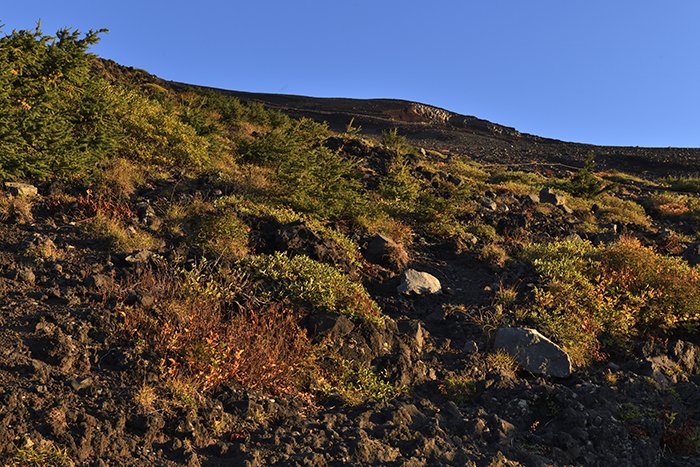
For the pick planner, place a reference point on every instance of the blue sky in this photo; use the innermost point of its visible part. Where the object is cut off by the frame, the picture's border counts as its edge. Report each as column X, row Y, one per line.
column 617, row 72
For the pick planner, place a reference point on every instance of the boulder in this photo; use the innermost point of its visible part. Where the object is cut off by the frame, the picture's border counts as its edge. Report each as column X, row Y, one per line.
column 547, row 195
column 418, row 283
column 297, row 238
column 326, row 324
column 386, row 252
column 533, row 351
column 687, row 355
column 21, row 189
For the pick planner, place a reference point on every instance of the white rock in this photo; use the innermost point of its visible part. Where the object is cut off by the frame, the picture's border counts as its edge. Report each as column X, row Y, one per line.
column 533, row 351
column 418, row 283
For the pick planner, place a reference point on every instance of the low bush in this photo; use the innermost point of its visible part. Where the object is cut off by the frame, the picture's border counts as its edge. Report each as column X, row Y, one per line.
column 208, row 330
column 223, row 234
column 687, row 184
column 352, row 382
column 619, row 290
column 674, row 205
column 319, row 285
column 121, row 237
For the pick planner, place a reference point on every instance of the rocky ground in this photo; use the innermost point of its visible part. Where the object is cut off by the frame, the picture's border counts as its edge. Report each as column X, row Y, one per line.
column 67, row 374
column 78, row 388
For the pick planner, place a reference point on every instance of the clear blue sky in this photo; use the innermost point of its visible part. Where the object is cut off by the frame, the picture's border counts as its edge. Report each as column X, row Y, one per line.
column 618, row 72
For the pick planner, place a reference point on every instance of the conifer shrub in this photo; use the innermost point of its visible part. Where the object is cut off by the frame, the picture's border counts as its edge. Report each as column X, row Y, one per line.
column 394, row 142
column 59, row 119
column 51, row 107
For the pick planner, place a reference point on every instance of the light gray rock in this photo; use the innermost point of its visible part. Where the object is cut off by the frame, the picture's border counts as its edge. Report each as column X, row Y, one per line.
column 21, row 189
column 547, row 195
column 418, row 283
column 533, row 198
column 533, row 351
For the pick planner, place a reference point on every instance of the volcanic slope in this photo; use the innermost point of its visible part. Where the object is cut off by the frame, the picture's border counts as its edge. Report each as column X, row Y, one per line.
column 192, row 276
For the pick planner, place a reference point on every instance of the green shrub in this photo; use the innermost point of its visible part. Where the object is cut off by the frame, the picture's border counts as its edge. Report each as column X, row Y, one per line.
column 319, row 285
column 322, row 171
column 153, row 135
column 354, row 383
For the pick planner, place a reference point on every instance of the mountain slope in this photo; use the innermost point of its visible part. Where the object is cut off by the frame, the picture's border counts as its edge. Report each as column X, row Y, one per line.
column 189, row 277
column 440, row 129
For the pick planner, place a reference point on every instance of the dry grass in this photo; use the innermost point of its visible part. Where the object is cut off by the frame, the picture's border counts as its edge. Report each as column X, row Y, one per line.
column 18, row 209
column 388, row 226
column 121, row 238
column 494, row 255
column 146, row 398
column 502, row 363
column 119, row 178
column 459, row 388
column 43, row 456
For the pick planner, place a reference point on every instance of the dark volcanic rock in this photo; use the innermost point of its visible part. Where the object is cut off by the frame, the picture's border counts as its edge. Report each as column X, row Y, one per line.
column 386, row 252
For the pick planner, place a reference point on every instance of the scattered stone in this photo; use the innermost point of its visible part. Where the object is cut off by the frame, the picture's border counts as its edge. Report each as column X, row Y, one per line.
column 139, row 258
column 418, row 283
column 81, row 383
column 566, row 209
column 547, row 195
column 489, row 204
column 415, row 331
column 147, row 215
column 533, row 198
column 40, row 246
column 26, row 275
column 455, row 180
column 21, row 189
column 533, row 351
column 471, row 347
